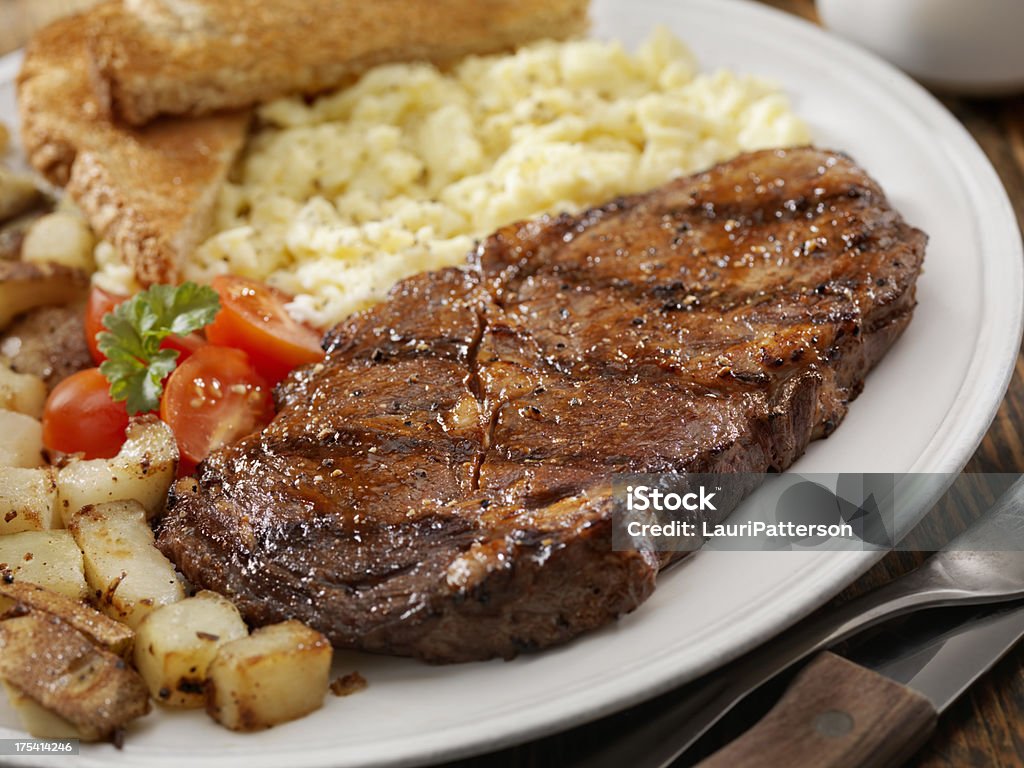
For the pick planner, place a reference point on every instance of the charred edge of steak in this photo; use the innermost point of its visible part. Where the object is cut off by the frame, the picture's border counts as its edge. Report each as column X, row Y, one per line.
column 438, row 486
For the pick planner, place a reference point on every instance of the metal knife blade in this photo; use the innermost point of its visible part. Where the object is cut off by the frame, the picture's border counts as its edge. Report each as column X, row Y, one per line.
column 881, row 705
column 942, row 654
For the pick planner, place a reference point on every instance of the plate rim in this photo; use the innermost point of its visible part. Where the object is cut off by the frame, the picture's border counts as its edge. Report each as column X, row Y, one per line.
column 996, row 225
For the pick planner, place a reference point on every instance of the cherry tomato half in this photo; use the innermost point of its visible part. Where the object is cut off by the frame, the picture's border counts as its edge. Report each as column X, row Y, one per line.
column 214, row 398
column 186, row 345
column 253, row 318
column 101, row 302
column 80, row 417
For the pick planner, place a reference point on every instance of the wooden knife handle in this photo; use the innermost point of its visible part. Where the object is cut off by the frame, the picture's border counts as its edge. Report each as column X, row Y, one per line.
column 835, row 714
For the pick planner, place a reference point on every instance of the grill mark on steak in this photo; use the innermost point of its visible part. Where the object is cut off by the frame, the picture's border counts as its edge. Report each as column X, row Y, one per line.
column 476, row 389
column 440, row 485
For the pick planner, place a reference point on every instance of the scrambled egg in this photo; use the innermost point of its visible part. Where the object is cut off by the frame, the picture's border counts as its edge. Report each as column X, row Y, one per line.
column 338, row 199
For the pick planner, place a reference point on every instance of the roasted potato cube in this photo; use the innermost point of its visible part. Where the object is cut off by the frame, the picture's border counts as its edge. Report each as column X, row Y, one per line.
column 25, row 286
column 61, row 237
column 127, row 574
column 28, row 499
column 12, row 234
column 18, row 193
column 177, row 642
column 22, row 443
column 22, row 392
column 143, row 471
column 50, row 559
column 37, row 719
column 54, row 664
column 276, row 674
column 101, row 630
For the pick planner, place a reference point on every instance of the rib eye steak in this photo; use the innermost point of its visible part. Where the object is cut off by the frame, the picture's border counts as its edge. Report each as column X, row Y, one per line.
column 439, row 486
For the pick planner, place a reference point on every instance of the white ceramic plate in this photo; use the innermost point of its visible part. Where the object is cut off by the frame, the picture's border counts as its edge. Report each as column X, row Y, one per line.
column 925, row 408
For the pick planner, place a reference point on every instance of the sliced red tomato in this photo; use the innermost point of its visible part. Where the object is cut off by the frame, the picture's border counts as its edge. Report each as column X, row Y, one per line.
column 80, row 417
column 186, row 345
column 214, row 398
column 253, row 318
column 101, row 302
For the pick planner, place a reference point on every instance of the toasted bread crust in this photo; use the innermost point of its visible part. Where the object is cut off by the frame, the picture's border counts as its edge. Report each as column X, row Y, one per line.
column 154, row 198
column 157, row 57
column 55, row 100
column 149, row 191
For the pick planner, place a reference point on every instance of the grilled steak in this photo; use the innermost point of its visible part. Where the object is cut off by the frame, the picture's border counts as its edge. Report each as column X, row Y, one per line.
column 440, row 486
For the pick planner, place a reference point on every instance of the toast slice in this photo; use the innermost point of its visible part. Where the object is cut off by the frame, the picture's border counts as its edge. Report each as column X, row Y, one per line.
column 151, row 191
column 158, row 57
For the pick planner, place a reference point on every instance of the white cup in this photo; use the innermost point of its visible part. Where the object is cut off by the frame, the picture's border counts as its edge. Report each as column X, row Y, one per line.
column 969, row 46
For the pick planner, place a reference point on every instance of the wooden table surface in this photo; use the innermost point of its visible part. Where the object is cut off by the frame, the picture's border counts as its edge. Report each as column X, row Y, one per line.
column 986, row 727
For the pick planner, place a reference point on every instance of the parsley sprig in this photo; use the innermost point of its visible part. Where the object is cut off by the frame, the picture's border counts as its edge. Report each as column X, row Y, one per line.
column 136, row 366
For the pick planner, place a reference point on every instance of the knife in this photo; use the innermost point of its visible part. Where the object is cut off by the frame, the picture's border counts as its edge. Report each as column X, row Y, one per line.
column 879, row 706
column 983, row 565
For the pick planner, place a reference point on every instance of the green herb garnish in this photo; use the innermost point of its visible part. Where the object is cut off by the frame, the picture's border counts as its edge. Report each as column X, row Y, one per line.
column 136, row 366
